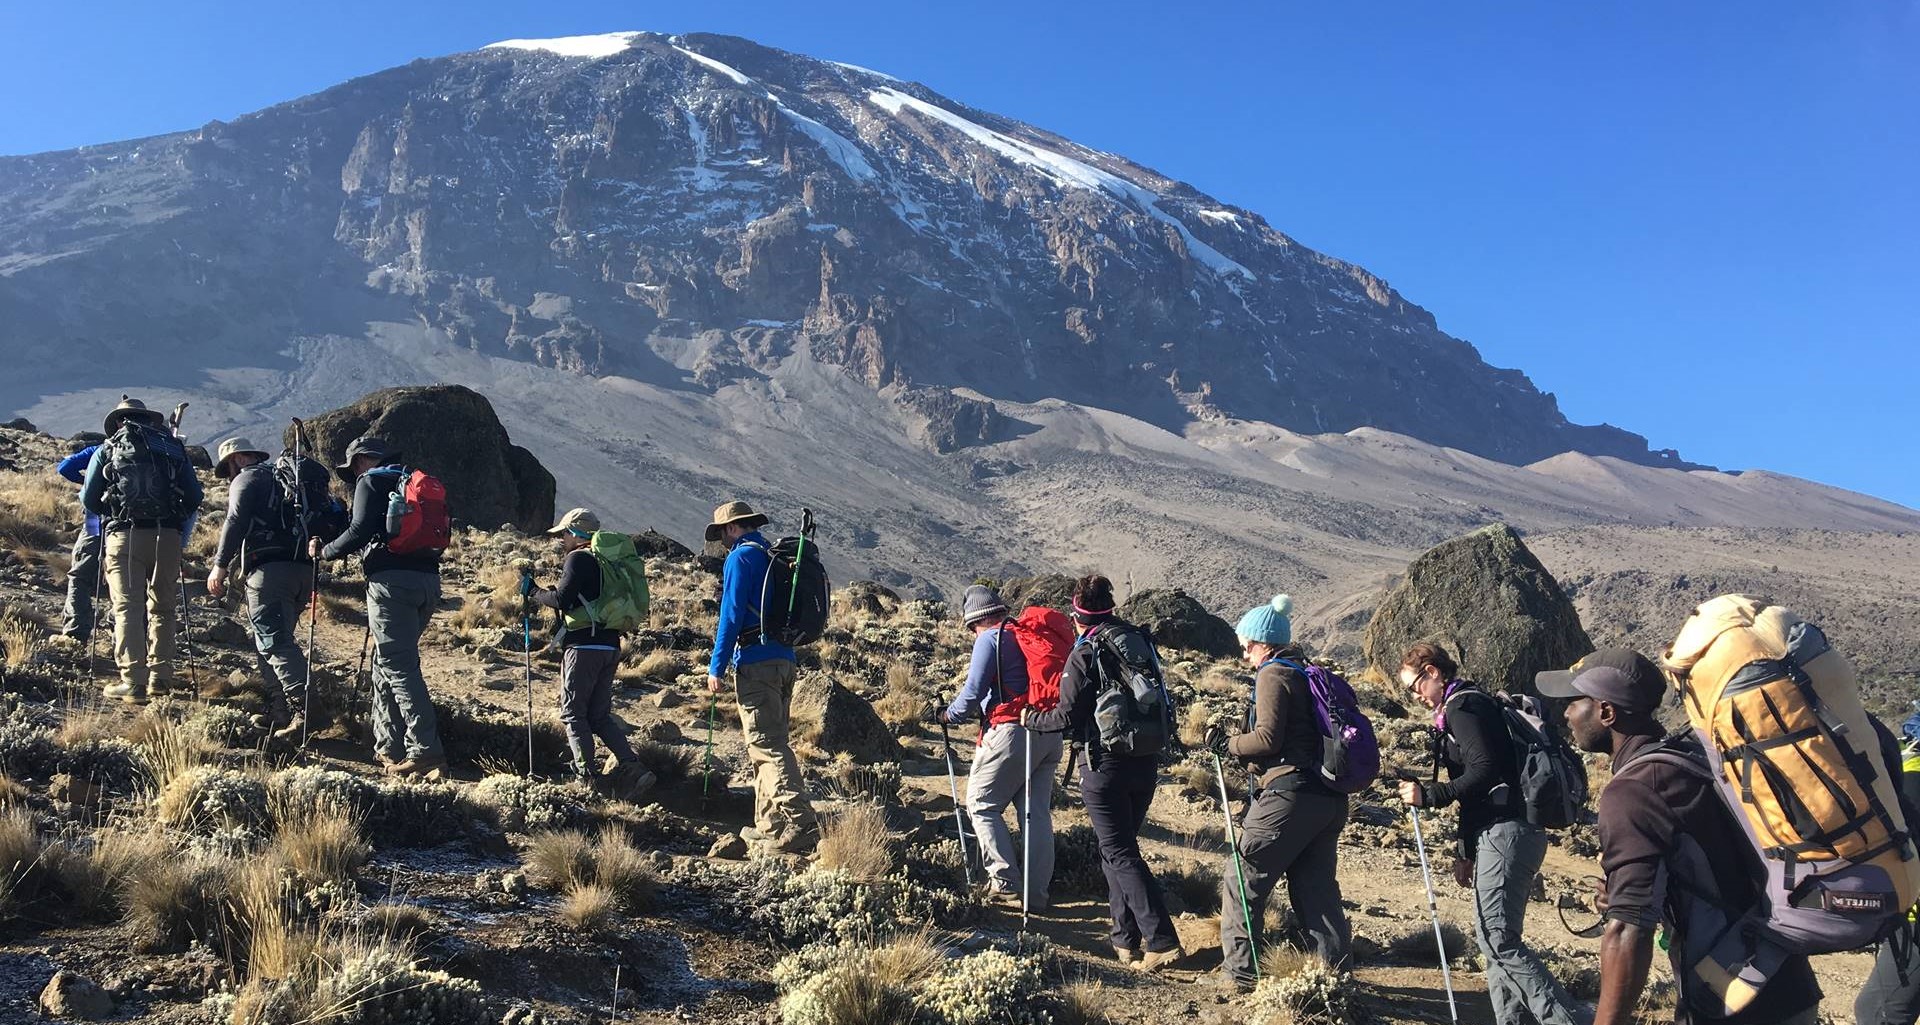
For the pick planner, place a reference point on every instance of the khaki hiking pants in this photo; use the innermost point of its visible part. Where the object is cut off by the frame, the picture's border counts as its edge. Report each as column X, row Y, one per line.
column 143, row 578
column 765, row 690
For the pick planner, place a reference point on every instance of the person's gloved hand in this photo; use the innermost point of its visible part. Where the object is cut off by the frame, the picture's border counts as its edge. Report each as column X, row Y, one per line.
column 1217, row 739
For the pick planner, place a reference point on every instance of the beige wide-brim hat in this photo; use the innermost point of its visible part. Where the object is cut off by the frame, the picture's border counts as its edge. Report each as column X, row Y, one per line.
column 577, row 519
column 235, row 447
column 734, row 512
column 131, row 408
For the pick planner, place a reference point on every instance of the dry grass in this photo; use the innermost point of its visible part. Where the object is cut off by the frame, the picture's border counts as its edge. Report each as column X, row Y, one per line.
column 176, row 900
column 170, row 750
column 35, row 511
column 620, row 867
column 1196, row 885
column 1193, row 727
column 321, row 843
column 1083, row 1003
column 95, row 878
column 81, row 727
column 589, row 907
column 1284, row 961
column 20, row 639
column 277, row 945
column 856, row 841
column 661, row 667
column 20, row 858
column 670, row 763
column 559, row 858
column 908, row 959
column 12, row 794
column 905, row 703
column 403, row 922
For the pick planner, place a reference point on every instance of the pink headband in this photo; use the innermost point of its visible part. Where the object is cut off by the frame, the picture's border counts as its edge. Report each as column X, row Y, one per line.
column 1091, row 612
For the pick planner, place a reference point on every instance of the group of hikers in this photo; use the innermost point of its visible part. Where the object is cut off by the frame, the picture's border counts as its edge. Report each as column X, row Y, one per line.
column 1811, row 852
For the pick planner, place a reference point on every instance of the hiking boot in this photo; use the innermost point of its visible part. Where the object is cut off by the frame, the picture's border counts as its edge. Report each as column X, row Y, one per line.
column 1154, row 960
column 1127, row 955
column 754, row 834
column 797, row 839
column 124, row 692
column 1004, row 898
column 1226, row 982
column 291, row 730
column 386, row 760
column 425, row 766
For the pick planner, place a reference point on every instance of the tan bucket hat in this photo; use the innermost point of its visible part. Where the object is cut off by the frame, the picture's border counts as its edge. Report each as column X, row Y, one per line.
column 234, row 447
column 131, row 408
column 577, row 519
column 734, row 512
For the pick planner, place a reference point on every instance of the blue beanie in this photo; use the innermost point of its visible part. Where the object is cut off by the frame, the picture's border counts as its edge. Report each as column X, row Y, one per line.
column 1271, row 623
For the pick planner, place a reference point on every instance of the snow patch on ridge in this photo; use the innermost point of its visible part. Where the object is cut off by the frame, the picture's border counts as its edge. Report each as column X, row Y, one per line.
column 1062, row 169
column 842, row 152
column 593, row 47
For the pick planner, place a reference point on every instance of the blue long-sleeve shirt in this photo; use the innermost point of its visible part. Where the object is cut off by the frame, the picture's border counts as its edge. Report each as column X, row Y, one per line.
column 740, row 583
column 95, row 488
column 995, row 674
column 74, row 468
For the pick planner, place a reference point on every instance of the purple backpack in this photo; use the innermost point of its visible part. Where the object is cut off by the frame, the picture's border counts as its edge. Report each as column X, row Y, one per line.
column 1350, row 754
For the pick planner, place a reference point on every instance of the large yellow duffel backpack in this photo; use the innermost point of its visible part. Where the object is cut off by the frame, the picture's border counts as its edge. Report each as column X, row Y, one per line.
column 1800, row 764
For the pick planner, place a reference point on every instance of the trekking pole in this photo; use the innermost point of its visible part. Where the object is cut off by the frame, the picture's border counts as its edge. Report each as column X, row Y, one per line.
column 953, row 788
column 313, row 588
column 706, row 767
column 526, row 645
column 1026, row 831
column 186, row 631
column 1239, row 873
column 99, row 579
column 1433, row 909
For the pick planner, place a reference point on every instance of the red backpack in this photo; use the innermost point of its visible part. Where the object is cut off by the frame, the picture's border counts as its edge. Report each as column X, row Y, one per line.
column 1045, row 637
column 423, row 523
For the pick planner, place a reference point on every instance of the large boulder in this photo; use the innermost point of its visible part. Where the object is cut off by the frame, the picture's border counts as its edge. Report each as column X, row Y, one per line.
column 452, row 433
column 1488, row 600
column 1178, row 620
column 1052, row 590
column 842, row 722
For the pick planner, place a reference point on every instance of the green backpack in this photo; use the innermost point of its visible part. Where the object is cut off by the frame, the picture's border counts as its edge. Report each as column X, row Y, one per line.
column 623, row 600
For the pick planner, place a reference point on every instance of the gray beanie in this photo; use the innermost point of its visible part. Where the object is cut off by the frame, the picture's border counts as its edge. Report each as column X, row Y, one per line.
column 981, row 602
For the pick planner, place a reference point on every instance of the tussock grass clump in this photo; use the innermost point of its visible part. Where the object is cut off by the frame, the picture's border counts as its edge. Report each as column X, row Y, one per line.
column 81, row 727
column 21, row 850
column 177, row 900
column 20, row 639
column 12, row 794
column 357, row 979
column 559, row 858
column 621, row 867
column 1082, row 1003
column 660, row 667
column 35, row 510
column 589, row 907
column 207, row 796
column 857, row 984
column 905, row 702
column 405, row 923
column 856, row 841
column 93, row 874
column 169, row 749
column 669, row 763
column 1196, row 885
column 320, row 842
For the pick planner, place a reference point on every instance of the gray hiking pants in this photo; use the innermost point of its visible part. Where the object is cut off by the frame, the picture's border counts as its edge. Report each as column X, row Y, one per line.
column 277, row 593
column 998, row 778
column 586, row 706
column 1292, row 832
column 83, row 585
column 1505, row 863
column 399, row 603
column 1892, row 993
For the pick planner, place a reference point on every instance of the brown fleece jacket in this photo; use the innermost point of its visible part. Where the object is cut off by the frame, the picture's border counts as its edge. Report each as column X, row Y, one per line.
column 1283, row 736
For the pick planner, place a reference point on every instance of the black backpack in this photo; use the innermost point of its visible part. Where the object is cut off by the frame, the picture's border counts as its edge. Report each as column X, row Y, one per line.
column 1132, row 714
column 1553, row 778
column 795, row 594
column 147, row 473
column 299, row 506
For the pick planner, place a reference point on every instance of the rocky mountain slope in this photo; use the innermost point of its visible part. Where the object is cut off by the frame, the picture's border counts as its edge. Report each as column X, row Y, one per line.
column 692, row 268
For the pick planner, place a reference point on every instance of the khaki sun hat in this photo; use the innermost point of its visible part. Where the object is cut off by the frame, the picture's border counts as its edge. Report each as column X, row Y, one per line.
column 577, row 519
column 235, row 447
column 734, row 512
column 133, row 409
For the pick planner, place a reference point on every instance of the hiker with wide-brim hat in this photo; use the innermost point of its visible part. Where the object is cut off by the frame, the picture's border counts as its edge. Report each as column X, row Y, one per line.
column 764, row 673
column 142, row 486
column 403, row 589
column 1291, row 829
column 259, row 543
column 590, row 650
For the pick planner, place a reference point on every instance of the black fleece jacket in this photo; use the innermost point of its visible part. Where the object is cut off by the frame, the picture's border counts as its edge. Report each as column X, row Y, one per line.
column 1080, row 684
column 579, row 584
column 368, row 528
column 1482, row 775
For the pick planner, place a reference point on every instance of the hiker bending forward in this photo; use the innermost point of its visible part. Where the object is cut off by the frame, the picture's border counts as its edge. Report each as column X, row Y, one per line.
column 1116, row 788
column 1293, row 819
column 402, row 592
column 591, row 650
column 764, row 674
column 1012, row 765
column 1500, row 851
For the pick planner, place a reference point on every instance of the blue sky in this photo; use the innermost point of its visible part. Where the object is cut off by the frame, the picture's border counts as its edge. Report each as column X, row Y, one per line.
column 1700, row 222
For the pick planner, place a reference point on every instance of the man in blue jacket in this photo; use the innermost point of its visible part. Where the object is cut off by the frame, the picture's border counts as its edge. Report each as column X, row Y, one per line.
column 146, row 494
column 763, row 682
column 83, row 573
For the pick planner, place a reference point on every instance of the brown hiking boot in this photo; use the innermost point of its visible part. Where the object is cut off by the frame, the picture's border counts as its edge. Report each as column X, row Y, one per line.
column 290, row 731
column 124, row 692
column 1127, row 955
column 423, row 767
column 1154, row 960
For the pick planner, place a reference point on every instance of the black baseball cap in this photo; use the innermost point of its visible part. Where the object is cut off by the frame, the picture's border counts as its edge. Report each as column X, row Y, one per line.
column 1622, row 677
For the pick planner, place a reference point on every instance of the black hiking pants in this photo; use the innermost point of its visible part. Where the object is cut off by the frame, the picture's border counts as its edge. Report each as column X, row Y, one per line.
column 1117, row 795
column 1892, row 993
